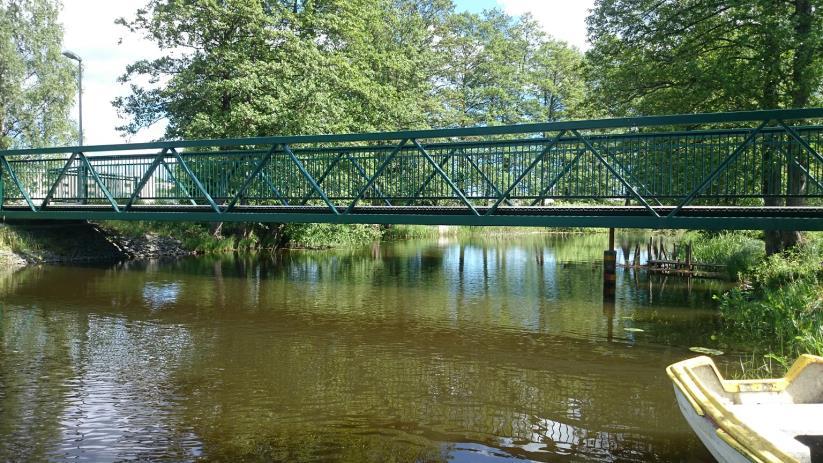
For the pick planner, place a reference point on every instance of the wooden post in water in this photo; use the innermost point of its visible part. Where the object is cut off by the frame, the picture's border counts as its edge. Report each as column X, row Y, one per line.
column 609, row 268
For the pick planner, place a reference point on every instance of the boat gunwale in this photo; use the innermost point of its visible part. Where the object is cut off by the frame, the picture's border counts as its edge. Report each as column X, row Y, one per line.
column 706, row 400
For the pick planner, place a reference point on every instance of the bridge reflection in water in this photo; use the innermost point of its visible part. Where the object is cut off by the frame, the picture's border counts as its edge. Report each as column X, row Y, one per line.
column 409, row 351
column 745, row 170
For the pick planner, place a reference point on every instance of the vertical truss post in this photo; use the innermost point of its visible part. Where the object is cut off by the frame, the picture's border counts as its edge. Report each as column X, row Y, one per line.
column 196, row 181
column 723, row 165
column 614, row 172
column 82, row 183
column 525, row 172
column 448, row 180
column 99, row 182
column 260, row 165
column 310, row 179
column 377, row 173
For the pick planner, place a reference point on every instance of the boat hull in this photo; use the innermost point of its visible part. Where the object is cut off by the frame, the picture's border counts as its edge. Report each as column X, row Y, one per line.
column 706, row 431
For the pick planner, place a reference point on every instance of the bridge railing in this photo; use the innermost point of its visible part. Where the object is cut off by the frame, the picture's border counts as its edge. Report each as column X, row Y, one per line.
column 664, row 164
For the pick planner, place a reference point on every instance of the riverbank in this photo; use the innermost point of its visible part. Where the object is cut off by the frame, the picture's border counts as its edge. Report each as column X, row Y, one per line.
column 778, row 307
column 23, row 244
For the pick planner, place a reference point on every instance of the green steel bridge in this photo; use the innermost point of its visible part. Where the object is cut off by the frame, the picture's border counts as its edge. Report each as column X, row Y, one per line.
column 743, row 170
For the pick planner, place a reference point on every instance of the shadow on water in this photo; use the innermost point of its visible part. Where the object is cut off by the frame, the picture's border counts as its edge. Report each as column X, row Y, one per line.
column 459, row 350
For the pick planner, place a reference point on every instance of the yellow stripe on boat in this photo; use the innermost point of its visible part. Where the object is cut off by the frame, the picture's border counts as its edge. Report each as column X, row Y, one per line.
column 721, row 401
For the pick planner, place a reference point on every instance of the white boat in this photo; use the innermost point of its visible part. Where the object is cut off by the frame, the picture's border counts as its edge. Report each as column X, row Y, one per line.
column 769, row 420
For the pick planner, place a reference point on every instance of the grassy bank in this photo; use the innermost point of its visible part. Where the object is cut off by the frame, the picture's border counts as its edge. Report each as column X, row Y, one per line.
column 204, row 239
column 739, row 251
column 778, row 307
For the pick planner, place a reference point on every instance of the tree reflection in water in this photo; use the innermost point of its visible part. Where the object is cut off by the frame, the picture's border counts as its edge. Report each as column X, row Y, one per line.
column 413, row 351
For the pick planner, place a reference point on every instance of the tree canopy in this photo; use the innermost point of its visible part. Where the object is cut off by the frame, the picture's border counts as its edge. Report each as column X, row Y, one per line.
column 241, row 67
column 37, row 86
column 682, row 56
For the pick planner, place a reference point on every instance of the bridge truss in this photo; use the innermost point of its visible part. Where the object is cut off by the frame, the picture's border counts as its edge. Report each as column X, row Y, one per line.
column 744, row 170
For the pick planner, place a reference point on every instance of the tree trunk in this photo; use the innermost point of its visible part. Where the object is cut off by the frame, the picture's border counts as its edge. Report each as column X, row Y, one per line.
column 771, row 176
column 801, row 91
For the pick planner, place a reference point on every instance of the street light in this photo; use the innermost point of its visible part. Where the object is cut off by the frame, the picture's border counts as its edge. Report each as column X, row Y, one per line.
column 72, row 55
column 82, row 188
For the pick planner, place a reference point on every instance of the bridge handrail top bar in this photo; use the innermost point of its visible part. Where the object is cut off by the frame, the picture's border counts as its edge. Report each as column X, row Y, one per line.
column 463, row 144
column 591, row 124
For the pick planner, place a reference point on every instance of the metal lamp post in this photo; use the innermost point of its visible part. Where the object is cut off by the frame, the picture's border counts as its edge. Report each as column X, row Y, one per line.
column 81, row 171
column 79, row 60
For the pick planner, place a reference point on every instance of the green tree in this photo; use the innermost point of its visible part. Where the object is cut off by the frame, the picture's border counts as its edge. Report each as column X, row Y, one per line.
column 498, row 69
column 556, row 87
column 251, row 67
column 679, row 56
column 37, row 85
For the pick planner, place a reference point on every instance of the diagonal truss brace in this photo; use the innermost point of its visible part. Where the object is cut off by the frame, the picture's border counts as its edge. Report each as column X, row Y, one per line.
column 178, row 183
column 793, row 133
column 792, row 160
column 196, row 181
column 274, row 189
column 723, row 165
column 363, row 174
column 628, row 174
column 99, row 182
column 376, row 174
column 448, row 180
column 250, row 178
column 558, row 177
column 526, row 171
column 486, row 178
column 615, row 172
column 310, row 179
column 322, row 177
column 60, row 177
column 145, row 178
column 13, row 175
column 431, row 176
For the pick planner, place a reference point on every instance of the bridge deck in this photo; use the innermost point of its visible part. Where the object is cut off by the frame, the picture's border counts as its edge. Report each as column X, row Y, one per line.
column 692, row 217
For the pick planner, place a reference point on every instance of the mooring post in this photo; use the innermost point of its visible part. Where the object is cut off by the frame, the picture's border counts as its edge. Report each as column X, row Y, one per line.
column 609, row 268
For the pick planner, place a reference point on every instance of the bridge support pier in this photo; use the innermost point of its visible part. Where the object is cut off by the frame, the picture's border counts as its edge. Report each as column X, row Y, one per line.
column 609, row 268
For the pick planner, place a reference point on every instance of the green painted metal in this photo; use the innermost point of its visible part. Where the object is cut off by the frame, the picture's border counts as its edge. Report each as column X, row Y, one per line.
column 525, row 172
column 690, row 197
column 362, row 172
column 310, row 179
column 495, row 175
column 143, row 180
column 614, row 172
column 99, row 182
column 13, row 175
column 377, row 173
column 445, row 177
column 259, row 167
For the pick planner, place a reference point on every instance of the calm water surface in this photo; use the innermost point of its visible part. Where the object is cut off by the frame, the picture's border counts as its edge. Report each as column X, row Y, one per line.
column 439, row 350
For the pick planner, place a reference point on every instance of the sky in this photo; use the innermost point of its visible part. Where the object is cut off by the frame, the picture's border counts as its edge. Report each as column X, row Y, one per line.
column 106, row 50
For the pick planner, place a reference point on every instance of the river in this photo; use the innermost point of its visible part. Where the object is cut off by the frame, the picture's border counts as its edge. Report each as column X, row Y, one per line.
column 453, row 349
